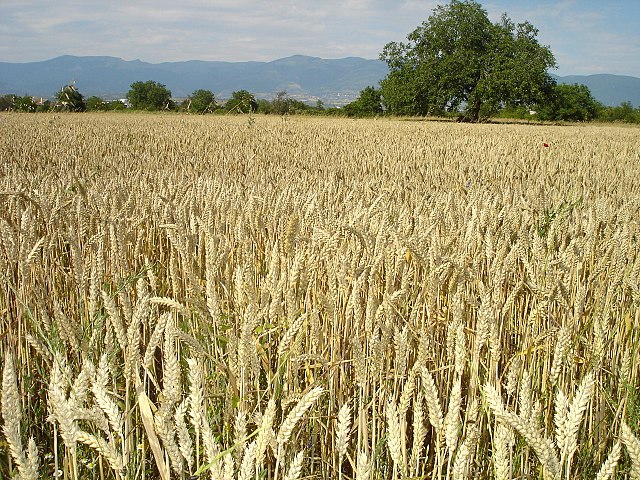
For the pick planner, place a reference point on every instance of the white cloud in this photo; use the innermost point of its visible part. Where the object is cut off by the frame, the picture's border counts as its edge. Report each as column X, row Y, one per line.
column 580, row 33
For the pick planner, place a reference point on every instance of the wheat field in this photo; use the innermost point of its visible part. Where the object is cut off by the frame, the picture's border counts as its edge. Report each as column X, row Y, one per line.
column 294, row 298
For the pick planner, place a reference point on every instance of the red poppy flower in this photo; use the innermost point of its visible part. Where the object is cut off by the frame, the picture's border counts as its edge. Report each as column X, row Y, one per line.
column 545, row 144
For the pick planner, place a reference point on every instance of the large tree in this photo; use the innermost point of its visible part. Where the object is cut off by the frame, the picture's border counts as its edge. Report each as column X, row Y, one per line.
column 149, row 95
column 458, row 60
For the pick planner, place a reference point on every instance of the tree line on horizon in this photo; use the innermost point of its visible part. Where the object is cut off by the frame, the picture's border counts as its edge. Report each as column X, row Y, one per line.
column 456, row 64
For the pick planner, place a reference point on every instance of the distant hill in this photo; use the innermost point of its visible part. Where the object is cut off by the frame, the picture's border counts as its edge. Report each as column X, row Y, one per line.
column 334, row 82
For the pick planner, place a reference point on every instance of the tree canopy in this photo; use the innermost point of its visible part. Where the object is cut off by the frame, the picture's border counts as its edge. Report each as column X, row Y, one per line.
column 202, row 101
column 149, row 95
column 570, row 102
column 367, row 104
column 242, row 101
column 458, row 60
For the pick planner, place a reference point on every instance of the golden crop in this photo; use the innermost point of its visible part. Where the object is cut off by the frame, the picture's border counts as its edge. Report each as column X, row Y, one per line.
column 289, row 298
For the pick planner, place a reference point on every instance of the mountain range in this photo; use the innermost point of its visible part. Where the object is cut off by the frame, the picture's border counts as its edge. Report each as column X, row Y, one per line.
column 335, row 81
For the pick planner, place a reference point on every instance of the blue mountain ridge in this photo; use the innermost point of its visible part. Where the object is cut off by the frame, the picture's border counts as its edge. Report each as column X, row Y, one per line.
column 334, row 81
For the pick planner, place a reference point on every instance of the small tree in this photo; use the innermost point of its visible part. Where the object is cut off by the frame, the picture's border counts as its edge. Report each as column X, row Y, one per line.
column 280, row 103
column 622, row 113
column 6, row 102
column 242, row 102
column 264, row 106
column 570, row 103
column 95, row 103
column 202, row 101
column 116, row 105
column 70, row 99
column 24, row 104
column 150, row 95
column 368, row 103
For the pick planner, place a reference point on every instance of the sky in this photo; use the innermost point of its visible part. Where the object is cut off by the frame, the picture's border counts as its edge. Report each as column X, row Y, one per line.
column 586, row 36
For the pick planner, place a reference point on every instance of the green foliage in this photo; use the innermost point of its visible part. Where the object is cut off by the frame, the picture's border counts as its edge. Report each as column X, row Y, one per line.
column 24, row 104
column 548, row 216
column 570, row 103
column 95, row 103
column 264, row 106
column 45, row 106
column 622, row 113
column 241, row 101
column 458, row 60
column 150, row 95
column 202, row 101
column 117, row 105
column 70, row 99
column 404, row 93
column 297, row 106
column 368, row 103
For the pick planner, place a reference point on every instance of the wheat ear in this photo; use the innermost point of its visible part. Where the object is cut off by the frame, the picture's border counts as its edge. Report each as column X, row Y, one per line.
column 105, row 449
column 568, row 438
column 419, row 433
column 104, row 401
column 452, row 419
column 363, row 467
column 11, row 414
column 562, row 346
column 609, row 465
column 343, row 430
column 633, row 449
column 154, row 340
column 248, row 461
column 542, row 446
column 265, row 433
column 184, row 439
column 295, row 468
column 393, row 435
column 501, row 451
column 286, row 429
column 432, row 400
column 290, row 334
